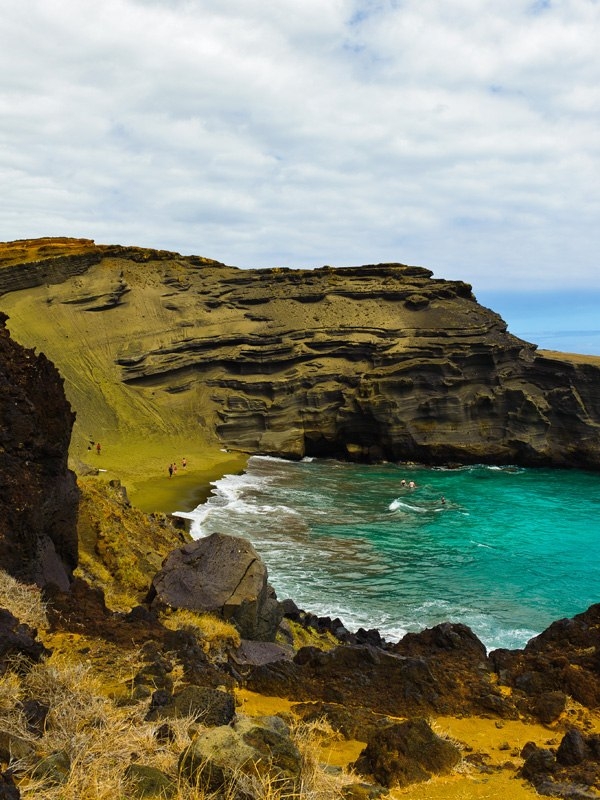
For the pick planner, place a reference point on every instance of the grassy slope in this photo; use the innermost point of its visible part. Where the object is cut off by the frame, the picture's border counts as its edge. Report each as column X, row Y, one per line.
column 141, row 430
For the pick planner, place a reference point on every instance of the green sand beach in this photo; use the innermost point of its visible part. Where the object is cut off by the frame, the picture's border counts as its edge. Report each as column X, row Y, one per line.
column 143, row 471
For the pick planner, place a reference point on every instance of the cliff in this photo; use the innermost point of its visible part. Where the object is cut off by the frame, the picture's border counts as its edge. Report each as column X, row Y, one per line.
column 373, row 362
column 38, row 494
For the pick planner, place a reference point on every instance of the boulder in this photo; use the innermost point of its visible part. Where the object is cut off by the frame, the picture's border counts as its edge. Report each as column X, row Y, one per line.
column 406, row 752
column 38, row 493
column 223, row 575
column 211, row 707
column 149, row 782
column 573, row 771
column 244, row 758
column 561, row 661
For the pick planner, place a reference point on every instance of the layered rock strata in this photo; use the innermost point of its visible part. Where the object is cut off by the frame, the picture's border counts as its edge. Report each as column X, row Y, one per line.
column 374, row 362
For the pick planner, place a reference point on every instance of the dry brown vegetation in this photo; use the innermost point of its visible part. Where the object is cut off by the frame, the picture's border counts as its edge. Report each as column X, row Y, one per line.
column 92, row 733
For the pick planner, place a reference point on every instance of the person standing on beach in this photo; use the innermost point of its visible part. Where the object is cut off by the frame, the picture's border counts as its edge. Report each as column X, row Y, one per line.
column 184, row 462
column 98, row 448
column 170, row 470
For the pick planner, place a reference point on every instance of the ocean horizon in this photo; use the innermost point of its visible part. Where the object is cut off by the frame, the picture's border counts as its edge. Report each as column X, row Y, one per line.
column 567, row 321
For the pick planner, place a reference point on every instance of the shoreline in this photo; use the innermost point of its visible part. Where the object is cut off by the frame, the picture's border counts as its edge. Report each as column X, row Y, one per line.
column 151, row 490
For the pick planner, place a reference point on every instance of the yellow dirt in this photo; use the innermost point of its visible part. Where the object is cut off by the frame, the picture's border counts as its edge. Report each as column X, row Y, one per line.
column 498, row 742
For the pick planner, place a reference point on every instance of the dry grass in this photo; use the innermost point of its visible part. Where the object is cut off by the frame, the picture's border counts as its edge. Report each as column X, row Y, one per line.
column 215, row 636
column 22, row 600
column 99, row 739
column 309, row 637
column 318, row 782
column 96, row 736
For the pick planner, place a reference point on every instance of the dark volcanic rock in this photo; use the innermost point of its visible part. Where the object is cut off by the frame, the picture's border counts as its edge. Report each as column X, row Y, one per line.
column 563, row 660
column 573, row 771
column 406, row 752
column 442, row 670
column 386, row 682
column 209, row 706
column 17, row 640
column 8, row 789
column 38, row 493
column 353, row 722
column 224, row 575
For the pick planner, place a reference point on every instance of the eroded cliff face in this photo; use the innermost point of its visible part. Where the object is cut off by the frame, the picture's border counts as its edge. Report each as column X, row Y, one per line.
column 374, row 362
column 38, row 494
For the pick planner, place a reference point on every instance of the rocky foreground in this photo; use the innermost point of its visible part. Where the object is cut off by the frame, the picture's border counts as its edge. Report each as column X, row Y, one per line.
column 128, row 596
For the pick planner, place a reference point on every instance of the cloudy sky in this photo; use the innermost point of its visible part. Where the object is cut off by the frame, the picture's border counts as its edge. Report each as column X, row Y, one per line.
column 461, row 135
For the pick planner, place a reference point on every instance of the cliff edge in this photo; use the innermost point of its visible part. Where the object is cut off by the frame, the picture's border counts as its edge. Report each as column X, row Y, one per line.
column 38, row 494
column 372, row 362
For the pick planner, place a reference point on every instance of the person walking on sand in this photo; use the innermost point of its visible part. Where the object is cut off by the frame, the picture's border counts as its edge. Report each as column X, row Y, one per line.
column 170, row 470
column 184, row 462
column 98, row 448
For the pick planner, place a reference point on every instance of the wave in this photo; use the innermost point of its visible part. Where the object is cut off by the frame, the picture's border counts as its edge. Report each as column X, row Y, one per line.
column 345, row 540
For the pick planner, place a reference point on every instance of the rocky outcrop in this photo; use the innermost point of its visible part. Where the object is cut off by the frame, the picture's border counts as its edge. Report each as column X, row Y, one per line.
column 17, row 641
column 374, row 362
column 564, row 660
column 570, row 771
column 38, row 494
column 454, row 681
column 223, row 575
column 408, row 752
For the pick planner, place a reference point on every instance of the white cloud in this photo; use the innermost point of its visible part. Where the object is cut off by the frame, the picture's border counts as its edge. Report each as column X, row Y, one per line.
column 462, row 135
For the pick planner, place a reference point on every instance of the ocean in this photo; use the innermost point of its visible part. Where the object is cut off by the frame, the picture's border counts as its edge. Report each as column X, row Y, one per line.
column 505, row 550
column 567, row 321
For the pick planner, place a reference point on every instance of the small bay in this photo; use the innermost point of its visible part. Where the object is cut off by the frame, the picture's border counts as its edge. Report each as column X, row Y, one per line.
column 505, row 550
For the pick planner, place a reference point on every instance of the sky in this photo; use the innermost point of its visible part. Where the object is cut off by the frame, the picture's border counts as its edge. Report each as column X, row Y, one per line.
column 463, row 135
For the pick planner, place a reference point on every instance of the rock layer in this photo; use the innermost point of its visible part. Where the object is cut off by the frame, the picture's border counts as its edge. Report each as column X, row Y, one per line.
column 374, row 362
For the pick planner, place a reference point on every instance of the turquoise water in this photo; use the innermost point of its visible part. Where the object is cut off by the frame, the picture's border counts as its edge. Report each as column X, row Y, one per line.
column 510, row 550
